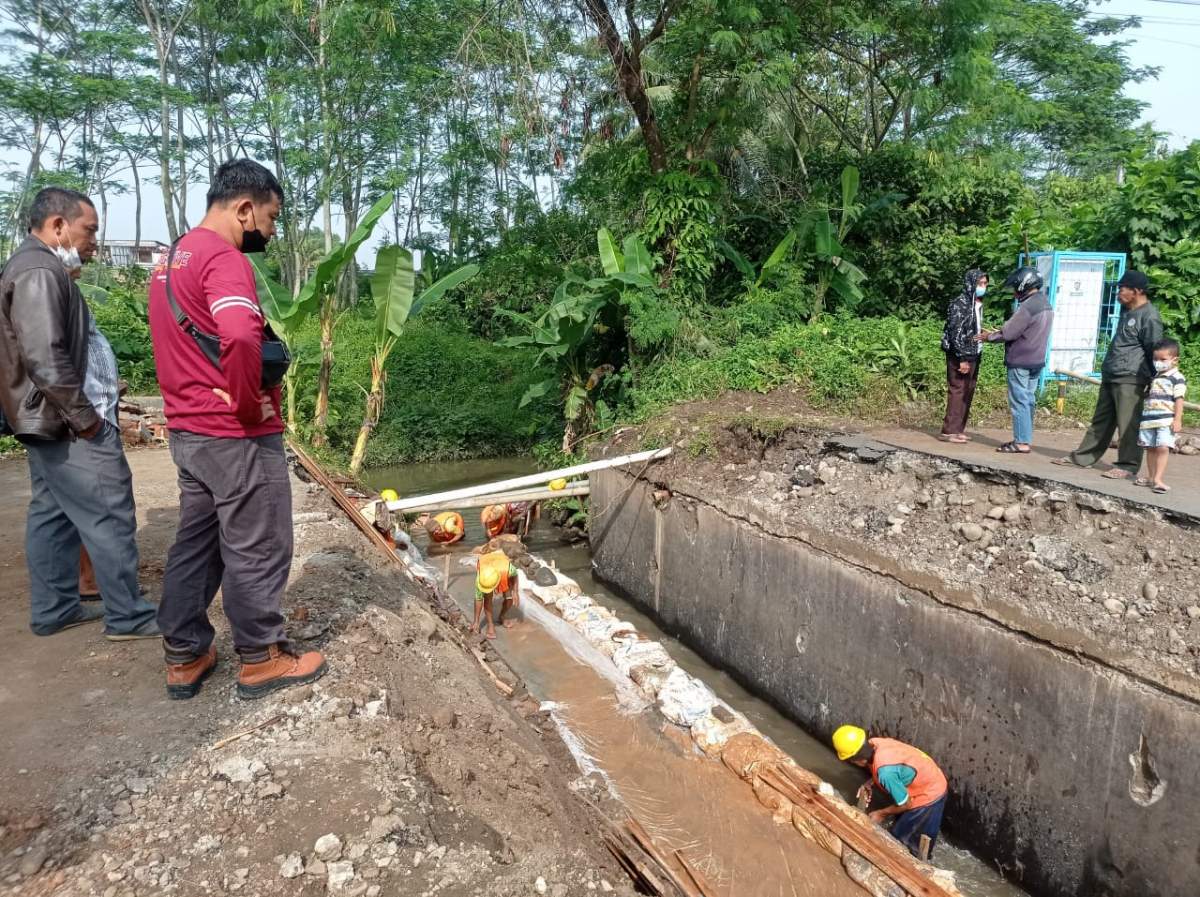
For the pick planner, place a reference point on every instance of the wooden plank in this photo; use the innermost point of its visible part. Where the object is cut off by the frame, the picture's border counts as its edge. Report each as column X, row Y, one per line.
column 863, row 840
column 535, row 479
column 698, row 879
column 501, row 498
column 647, row 844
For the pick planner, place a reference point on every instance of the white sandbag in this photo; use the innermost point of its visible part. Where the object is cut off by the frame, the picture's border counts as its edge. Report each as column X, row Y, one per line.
column 651, row 679
column 641, row 653
column 683, row 700
column 601, row 633
column 711, row 733
column 551, row 594
column 573, row 608
column 589, row 616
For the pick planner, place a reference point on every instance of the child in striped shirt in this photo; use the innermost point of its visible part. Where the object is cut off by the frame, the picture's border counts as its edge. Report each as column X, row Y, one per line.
column 1162, row 414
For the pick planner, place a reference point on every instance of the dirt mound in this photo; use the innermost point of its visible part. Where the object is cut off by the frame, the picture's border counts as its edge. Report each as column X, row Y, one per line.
column 402, row 771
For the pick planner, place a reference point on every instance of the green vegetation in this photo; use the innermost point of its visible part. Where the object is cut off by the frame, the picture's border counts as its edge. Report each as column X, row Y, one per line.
column 798, row 188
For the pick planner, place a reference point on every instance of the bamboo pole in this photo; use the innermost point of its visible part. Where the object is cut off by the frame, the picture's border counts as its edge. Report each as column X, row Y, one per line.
column 1083, row 378
column 535, row 479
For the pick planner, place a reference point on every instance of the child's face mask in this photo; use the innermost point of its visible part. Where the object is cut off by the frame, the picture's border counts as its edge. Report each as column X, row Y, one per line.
column 1162, row 366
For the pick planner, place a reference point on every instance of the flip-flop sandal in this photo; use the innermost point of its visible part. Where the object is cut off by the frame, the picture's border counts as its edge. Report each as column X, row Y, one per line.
column 1064, row 461
column 1142, row 481
column 1162, row 490
column 954, row 438
column 1116, row 474
column 1010, row 448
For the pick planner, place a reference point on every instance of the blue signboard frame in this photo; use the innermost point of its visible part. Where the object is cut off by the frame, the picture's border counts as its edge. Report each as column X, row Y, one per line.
column 1110, row 310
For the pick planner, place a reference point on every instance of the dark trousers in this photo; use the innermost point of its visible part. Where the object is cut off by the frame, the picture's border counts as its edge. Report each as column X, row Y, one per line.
column 235, row 534
column 1119, row 408
column 82, row 493
column 909, row 827
column 960, row 392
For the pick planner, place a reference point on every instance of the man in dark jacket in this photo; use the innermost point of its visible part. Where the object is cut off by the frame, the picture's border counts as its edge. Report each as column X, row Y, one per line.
column 1124, row 378
column 964, row 322
column 1026, row 336
column 58, row 388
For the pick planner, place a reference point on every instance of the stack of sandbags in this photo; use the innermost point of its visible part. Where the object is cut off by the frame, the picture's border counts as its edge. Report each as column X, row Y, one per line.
column 683, row 699
column 712, row 731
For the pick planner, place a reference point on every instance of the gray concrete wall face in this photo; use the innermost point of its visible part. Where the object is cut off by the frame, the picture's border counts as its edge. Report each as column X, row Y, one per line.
column 1076, row 779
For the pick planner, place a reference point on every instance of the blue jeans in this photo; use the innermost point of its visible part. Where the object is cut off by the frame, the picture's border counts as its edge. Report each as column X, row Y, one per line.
column 909, row 827
column 82, row 491
column 1022, row 396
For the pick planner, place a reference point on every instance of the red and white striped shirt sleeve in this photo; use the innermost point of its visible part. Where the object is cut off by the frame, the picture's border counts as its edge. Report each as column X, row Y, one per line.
column 230, row 292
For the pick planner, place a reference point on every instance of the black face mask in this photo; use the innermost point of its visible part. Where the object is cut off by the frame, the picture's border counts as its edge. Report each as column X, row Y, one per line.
column 253, row 241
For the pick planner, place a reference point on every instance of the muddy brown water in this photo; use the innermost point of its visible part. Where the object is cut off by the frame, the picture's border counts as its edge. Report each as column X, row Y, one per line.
column 687, row 802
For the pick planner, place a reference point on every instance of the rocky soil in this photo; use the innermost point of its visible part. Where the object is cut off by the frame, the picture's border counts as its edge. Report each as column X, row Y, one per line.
column 402, row 772
column 1122, row 574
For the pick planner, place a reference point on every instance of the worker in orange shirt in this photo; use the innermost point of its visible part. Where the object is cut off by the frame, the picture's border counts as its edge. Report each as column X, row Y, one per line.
column 446, row 528
column 496, row 576
column 915, row 784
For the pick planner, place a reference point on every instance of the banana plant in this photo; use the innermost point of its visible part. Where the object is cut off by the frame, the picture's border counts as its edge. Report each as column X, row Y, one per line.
column 392, row 288
column 822, row 240
column 563, row 334
column 319, row 295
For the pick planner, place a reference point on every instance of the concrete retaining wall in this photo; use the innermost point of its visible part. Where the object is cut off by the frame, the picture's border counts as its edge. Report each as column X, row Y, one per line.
column 1077, row 779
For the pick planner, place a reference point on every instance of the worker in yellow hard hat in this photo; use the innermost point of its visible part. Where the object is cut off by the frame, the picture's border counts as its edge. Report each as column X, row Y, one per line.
column 495, row 520
column 558, row 485
column 446, row 528
column 913, row 787
column 496, row 576
column 389, row 495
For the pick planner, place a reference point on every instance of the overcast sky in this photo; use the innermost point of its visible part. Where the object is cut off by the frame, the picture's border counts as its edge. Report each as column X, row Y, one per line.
column 1169, row 38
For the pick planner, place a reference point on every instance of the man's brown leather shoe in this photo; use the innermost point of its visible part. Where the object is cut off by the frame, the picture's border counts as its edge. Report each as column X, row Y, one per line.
column 184, row 679
column 279, row 670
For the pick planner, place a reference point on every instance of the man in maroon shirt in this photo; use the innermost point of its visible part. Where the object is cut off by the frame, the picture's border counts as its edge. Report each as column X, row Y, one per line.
column 226, row 438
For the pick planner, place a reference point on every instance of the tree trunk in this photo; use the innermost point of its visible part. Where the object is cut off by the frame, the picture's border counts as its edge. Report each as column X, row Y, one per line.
column 373, row 413
column 137, row 209
column 628, row 64
column 164, row 154
column 321, row 413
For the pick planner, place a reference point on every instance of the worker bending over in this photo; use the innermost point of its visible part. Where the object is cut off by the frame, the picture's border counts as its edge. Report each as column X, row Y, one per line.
column 515, row 518
column 496, row 576
column 446, row 528
column 909, row 777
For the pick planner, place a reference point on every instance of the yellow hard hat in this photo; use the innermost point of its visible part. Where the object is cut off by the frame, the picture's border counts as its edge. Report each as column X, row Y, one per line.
column 558, row 484
column 848, row 741
column 488, row 579
column 389, row 495
column 451, row 523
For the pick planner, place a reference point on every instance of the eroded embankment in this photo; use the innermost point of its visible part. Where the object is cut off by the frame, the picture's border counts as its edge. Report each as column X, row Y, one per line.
column 1071, row 754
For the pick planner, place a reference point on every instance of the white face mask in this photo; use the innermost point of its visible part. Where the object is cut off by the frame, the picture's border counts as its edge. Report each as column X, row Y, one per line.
column 1163, row 366
column 69, row 256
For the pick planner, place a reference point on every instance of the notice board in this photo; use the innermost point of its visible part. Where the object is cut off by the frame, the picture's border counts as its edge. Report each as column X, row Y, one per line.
column 1078, row 299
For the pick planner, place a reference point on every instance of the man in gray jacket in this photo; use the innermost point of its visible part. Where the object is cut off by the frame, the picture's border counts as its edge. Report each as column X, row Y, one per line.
column 1026, row 336
column 1124, row 378
column 59, row 389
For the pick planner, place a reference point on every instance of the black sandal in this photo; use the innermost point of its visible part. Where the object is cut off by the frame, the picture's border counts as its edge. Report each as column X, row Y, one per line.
column 1010, row 448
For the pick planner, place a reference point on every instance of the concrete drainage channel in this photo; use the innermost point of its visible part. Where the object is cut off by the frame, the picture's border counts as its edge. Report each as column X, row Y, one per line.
column 728, row 771
column 1077, row 777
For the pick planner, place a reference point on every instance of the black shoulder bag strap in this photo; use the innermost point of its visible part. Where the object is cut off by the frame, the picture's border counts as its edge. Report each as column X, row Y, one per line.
column 209, row 344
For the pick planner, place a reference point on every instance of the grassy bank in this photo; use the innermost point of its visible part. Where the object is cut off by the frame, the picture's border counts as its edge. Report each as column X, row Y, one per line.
column 449, row 395
column 873, row 369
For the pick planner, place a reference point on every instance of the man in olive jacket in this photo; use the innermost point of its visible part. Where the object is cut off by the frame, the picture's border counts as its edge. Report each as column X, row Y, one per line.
column 1125, row 376
column 58, row 389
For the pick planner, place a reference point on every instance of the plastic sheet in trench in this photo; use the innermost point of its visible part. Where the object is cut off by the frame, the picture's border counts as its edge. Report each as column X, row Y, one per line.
column 687, row 802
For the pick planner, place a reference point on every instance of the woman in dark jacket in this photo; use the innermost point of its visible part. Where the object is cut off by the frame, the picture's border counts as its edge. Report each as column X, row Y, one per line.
column 964, row 323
